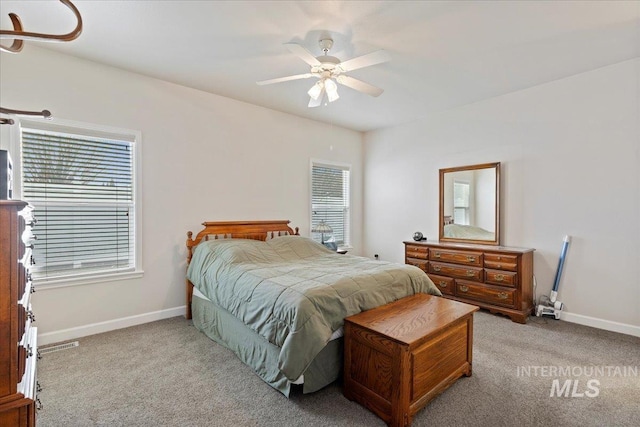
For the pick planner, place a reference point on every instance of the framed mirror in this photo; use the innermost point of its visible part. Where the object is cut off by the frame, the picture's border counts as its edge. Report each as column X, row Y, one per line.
column 470, row 204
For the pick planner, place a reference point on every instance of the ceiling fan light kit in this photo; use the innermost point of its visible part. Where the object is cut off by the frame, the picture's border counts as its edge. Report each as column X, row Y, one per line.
column 316, row 89
column 330, row 71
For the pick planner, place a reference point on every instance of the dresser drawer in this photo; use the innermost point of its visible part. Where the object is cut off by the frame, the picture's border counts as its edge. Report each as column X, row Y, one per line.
column 445, row 284
column 457, row 271
column 419, row 252
column 503, row 278
column 456, row 257
column 421, row 264
column 501, row 262
column 485, row 293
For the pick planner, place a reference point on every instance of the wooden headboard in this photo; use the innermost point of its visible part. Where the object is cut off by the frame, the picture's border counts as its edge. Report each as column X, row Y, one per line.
column 254, row 230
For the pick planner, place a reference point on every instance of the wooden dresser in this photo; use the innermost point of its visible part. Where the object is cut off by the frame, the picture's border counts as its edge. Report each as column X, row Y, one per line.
column 18, row 338
column 497, row 278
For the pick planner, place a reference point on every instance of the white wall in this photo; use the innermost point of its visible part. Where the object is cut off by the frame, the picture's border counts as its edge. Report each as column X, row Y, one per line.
column 485, row 199
column 204, row 158
column 570, row 153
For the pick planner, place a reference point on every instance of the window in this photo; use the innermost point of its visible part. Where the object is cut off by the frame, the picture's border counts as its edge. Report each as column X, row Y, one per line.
column 461, row 202
column 330, row 200
column 81, row 182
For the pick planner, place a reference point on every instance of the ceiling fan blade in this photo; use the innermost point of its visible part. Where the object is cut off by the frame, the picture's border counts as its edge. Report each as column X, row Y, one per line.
column 285, row 79
column 359, row 85
column 372, row 58
column 316, row 102
column 303, row 53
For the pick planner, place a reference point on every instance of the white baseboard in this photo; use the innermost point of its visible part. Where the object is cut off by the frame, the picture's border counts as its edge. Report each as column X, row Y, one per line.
column 607, row 325
column 109, row 325
column 125, row 322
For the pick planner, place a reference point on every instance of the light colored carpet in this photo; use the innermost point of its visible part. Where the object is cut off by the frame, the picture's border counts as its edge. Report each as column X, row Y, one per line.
column 166, row 373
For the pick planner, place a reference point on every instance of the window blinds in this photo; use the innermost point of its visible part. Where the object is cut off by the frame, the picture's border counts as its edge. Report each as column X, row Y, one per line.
column 330, row 200
column 82, row 190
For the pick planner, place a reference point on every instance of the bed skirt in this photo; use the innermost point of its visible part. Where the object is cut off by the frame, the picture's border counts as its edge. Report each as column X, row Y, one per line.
column 259, row 354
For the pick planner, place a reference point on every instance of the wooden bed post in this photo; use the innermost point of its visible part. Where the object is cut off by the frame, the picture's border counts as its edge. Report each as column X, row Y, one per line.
column 189, row 286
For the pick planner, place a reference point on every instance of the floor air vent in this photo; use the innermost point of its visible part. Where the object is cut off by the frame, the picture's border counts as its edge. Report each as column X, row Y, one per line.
column 65, row 346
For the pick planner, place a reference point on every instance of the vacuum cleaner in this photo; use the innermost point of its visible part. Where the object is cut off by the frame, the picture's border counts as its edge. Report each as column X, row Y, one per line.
column 550, row 306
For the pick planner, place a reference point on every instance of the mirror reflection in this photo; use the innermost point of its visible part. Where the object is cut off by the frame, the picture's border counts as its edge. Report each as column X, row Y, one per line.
column 469, row 204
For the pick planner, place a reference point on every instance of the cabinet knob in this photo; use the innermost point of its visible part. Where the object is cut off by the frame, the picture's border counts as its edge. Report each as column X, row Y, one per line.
column 471, row 273
column 502, row 295
column 437, row 255
column 471, row 258
column 499, row 277
column 442, row 283
column 464, row 288
column 436, row 268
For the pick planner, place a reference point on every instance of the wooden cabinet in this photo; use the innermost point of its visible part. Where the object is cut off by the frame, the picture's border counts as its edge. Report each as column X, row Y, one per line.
column 400, row 356
column 18, row 336
column 497, row 278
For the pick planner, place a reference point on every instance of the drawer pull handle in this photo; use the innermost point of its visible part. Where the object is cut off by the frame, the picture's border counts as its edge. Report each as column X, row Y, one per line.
column 471, row 258
column 464, row 288
column 29, row 351
column 436, row 268
column 499, row 265
column 499, row 277
column 437, row 254
column 38, row 387
column 38, row 404
column 502, row 295
column 442, row 283
column 471, row 273
column 39, row 356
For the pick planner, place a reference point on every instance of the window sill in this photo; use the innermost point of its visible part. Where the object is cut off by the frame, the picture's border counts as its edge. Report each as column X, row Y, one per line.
column 63, row 282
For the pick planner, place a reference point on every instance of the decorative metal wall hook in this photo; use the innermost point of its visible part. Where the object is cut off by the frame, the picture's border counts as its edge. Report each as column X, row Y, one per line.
column 19, row 35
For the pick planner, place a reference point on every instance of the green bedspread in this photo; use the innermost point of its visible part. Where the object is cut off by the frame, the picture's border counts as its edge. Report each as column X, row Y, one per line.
column 294, row 292
column 468, row 232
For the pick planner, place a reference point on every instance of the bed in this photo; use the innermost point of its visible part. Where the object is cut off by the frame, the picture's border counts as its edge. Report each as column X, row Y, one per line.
column 278, row 300
column 467, row 232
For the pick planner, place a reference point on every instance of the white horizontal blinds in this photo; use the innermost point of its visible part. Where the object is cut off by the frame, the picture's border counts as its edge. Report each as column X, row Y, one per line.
column 330, row 200
column 82, row 190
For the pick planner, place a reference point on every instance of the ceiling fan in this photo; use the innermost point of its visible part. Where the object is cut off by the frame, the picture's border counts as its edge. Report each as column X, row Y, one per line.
column 329, row 70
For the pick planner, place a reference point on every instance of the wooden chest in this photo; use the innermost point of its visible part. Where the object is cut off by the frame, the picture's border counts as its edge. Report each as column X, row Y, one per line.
column 497, row 278
column 401, row 355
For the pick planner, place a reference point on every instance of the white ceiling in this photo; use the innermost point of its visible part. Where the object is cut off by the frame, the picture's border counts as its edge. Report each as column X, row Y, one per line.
column 444, row 54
